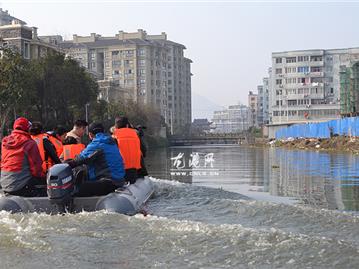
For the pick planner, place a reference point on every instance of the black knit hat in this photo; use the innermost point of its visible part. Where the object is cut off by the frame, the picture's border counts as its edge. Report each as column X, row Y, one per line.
column 96, row 127
column 121, row 122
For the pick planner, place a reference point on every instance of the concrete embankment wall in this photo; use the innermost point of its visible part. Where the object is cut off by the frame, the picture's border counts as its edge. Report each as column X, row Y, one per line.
column 345, row 126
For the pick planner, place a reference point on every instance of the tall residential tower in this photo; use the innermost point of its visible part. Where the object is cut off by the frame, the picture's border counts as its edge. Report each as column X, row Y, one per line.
column 149, row 69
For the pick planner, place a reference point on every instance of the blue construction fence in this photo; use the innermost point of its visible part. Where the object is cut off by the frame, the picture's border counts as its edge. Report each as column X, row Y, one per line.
column 346, row 126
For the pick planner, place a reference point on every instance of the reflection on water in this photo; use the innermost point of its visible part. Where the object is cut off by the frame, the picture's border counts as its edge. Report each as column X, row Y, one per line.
column 323, row 180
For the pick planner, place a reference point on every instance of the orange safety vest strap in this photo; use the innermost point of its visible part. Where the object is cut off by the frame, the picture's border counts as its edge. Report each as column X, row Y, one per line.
column 129, row 145
column 57, row 144
column 71, row 151
column 46, row 161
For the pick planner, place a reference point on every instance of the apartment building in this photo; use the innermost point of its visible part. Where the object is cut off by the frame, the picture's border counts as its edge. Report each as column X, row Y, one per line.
column 149, row 69
column 234, row 119
column 6, row 18
column 264, row 101
column 305, row 85
column 18, row 36
column 253, row 108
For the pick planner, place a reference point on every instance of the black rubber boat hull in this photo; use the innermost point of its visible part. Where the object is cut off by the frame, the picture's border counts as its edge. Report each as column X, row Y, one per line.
column 128, row 201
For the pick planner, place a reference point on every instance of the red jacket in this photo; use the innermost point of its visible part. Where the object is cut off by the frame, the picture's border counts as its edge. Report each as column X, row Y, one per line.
column 20, row 161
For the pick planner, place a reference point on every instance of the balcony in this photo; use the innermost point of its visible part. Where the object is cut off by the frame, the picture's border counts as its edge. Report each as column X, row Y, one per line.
column 316, row 74
column 314, row 63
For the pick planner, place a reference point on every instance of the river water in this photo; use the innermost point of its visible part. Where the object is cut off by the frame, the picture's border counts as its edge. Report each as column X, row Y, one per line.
column 214, row 207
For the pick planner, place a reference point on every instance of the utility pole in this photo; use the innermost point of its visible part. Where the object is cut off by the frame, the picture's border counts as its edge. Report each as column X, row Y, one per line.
column 87, row 116
column 171, row 114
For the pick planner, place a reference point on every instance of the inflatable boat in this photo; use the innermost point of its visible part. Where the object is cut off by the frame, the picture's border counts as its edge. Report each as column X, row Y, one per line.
column 128, row 200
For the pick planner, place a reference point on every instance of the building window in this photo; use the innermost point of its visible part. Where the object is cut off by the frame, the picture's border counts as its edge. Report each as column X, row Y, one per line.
column 316, row 69
column 129, row 82
column 316, row 80
column 290, row 59
column 303, row 69
column 290, row 80
column 26, row 50
column 142, row 63
column 115, row 53
column 316, row 58
column 278, row 81
column 128, row 62
column 289, row 70
column 116, row 63
column 292, row 102
column 303, row 58
column 278, row 71
column 278, row 60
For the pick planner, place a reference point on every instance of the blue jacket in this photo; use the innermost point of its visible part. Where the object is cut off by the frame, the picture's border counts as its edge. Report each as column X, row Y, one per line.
column 108, row 163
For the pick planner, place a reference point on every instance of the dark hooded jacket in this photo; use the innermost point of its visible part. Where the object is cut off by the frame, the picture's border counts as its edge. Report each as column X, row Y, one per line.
column 20, row 161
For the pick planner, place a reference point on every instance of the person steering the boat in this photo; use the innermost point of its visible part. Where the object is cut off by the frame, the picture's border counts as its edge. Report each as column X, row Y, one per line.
column 21, row 162
column 104, row 162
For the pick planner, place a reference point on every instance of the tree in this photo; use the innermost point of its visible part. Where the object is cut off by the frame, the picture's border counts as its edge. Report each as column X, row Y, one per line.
column 58, row 90
column 53, row 89
column 12, row 84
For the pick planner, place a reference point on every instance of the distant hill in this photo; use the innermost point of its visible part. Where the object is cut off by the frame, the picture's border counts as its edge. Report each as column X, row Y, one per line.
column 202, row 107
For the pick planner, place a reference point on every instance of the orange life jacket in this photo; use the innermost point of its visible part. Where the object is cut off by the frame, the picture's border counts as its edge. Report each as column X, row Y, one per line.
column 57, row 144
column 46, row 160
column 71, row 151
column 129, row 145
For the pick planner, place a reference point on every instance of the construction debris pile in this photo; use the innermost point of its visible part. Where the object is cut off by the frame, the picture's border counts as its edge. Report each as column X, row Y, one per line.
column 337, row 143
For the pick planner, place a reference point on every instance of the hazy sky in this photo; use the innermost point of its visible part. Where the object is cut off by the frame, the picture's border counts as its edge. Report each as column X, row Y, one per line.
column 230, row 42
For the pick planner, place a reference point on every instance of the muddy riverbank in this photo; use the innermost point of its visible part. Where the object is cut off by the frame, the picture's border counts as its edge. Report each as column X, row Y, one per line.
column 338, row 143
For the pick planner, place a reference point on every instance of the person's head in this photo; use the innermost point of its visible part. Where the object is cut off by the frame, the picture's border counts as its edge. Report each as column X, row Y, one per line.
column 36, row 128
column 95, row 128
column 141, row 129
column 22, row 124
column 122, row 122
column 70, row 140
column 60, row 133
column 80, row 127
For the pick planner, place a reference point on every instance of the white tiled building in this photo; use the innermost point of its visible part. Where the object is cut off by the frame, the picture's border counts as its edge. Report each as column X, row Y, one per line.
column 305, row 85
column 231, row 120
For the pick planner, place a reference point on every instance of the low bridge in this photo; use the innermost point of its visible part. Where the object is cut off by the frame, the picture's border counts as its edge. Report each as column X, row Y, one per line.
column 222, row 139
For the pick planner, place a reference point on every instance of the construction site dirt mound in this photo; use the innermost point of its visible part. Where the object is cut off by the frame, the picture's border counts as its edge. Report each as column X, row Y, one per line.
column 338, row 143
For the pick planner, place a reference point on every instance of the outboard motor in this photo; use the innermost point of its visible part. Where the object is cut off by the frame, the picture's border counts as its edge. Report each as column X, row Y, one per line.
column 60, row 186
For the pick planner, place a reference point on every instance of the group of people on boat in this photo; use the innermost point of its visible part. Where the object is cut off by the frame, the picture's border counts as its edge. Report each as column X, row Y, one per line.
column 109, row 160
